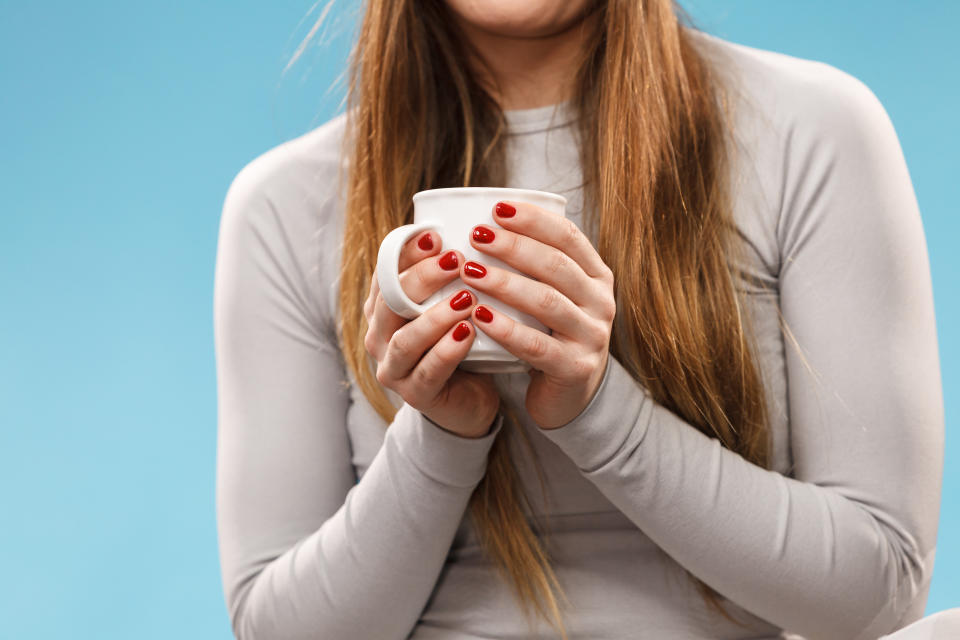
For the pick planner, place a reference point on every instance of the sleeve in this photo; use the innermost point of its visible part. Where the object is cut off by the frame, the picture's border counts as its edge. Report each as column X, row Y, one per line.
column 942, row 625
column 306, row 551
column 844, row 548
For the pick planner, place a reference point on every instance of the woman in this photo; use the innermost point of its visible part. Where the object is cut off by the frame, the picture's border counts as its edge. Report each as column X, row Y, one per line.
column 735, row 429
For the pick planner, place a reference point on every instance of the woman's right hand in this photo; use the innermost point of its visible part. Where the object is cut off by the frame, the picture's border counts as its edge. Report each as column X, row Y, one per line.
column 418, row 358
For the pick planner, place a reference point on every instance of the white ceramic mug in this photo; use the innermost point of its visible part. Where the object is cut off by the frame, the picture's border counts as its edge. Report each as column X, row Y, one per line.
column 453, row 213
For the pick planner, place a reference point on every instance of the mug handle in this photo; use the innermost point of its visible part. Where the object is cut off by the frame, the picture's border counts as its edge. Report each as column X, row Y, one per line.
column 388, row 266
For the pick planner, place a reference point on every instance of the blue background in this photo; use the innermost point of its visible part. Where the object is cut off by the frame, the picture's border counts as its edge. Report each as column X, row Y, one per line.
column 121, row 126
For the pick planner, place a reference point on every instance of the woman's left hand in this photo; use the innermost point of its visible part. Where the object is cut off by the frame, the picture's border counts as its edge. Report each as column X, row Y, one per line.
column 572, row 295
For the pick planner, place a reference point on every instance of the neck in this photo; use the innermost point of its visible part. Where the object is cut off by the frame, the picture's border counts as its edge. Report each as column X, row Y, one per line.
column 528, row 72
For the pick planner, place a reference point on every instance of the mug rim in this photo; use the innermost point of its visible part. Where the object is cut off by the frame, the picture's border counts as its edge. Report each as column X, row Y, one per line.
column 519, row 191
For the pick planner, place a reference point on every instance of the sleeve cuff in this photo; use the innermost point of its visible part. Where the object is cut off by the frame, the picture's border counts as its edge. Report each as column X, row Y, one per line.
column 441, row 455
column 610, row 420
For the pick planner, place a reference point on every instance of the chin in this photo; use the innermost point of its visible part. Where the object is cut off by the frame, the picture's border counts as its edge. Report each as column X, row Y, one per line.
column 519, row 18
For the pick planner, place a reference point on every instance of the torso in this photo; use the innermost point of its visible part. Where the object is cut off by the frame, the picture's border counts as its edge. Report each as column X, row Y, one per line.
column 593, row 544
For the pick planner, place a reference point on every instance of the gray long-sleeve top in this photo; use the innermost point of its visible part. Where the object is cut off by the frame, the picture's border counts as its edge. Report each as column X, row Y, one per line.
column 332, row 525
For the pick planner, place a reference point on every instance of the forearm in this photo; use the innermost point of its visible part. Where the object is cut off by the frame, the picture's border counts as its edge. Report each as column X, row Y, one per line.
column 808, row 558
column 368, row 571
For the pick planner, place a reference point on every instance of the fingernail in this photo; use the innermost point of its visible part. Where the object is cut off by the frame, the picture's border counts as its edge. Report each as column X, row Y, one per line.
column 461, row 331
column 425, row 242
column 448, row 261
column 505, row 210
column 482, row 234
column 483, row 314
column 461, row 301
column 474, row 270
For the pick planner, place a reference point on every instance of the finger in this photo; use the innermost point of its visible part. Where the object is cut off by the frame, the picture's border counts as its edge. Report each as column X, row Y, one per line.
column 427, row 276
column 429, row 376
column 408, row 343
column 419, row 247
column 541, row 261
column 531, row 345
column 419, row 282
column 416, row 249
column 552, row 229
column 368, row 304
column 380, row 327
column 538, row 299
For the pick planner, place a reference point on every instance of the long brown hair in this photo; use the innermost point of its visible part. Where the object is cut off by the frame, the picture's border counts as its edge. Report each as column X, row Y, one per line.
column 655, row 153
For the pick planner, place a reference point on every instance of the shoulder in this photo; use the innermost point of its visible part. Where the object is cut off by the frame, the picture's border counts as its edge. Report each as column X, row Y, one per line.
column 293, row 174
column 810, row 140
column 282, row 213
column 806, row 103
column 289, row 195
column 792, row 93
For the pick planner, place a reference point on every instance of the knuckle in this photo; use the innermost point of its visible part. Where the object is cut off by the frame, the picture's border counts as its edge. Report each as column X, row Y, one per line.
column 609, row 309
column 516, row 243
column 410, row 284
column 548, row 299
column 508, row 333
column 559, row 262
column 433, row 318
column 502, row 280
column 370, row 342
column 536, row 345
column 421, row 277
column 584, row 366
column 606, row 275
column 423, row 375
column 382, row 376
column 571, row 233
column 400, row 343
column 598, row 334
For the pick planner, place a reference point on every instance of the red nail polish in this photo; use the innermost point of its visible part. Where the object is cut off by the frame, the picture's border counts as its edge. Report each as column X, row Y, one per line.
column 483, row 314
column 425, row 243
column 461, row 331
column 483, row 234
column 461, row 301
column 474, row 270
column 448, row 261
column 505, row 210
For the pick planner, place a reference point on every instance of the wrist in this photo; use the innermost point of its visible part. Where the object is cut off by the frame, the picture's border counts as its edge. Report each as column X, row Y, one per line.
column 490, row 426
column 470, row 433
